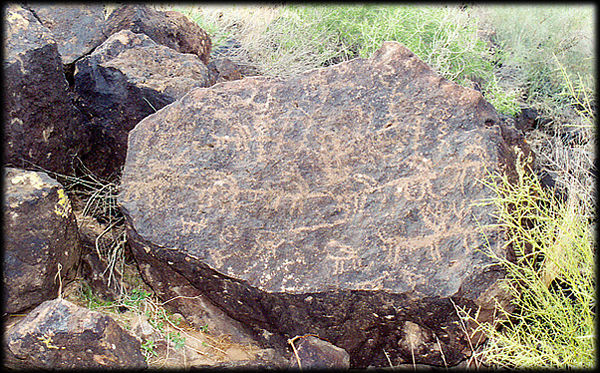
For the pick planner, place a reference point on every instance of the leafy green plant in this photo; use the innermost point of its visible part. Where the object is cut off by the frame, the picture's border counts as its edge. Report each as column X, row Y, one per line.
column 91, row 300
column 135, row 298
column 177, row 339
column 505, row 101
column 149, row 348
column 158, row 324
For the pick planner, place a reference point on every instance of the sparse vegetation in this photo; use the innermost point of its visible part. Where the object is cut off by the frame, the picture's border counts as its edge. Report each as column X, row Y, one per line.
column 163, row 333
column 552, row 280
column 94, row 202
column 530, row 39
column 283, row 41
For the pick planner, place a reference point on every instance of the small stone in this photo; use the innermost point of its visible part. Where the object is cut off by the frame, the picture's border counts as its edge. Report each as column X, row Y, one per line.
column 315, row 353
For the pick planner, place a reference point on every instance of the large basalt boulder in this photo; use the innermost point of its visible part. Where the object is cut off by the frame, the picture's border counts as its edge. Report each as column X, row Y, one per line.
column 77, row 29
column 124, row 80
column 61, row 335
column 169, row 28
column 41, row 125
column 41, row 239
column 339, row 203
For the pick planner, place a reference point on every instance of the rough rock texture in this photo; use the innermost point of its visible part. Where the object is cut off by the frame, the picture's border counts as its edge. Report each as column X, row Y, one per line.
column 315, row 353
column 125, row 79
column 41, row 125
column 223, row 70
column 61, row 335
column 169, row 28
column 40, row 232
column 77, row 29
column 337, row 203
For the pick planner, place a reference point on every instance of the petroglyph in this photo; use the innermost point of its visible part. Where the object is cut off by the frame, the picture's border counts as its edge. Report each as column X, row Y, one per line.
column 306, row 174
column 344, row 257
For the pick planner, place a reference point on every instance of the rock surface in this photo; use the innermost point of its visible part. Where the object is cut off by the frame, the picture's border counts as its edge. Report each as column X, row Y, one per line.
column 40, row 233
column 41, row 125
column 337, row 203
column 61, row 335
column 315, row 353
column 223, row 70
column 168, row 28
column 124, row 80
column 77, row 29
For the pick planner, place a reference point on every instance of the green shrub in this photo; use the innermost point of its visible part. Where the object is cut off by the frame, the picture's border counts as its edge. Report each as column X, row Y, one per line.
column 444, row 37
column 552, row 281
column 296, row 38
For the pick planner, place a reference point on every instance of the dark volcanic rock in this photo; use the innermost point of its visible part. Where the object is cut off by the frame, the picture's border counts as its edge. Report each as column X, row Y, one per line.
column 124, row 80
column 223, row 70
column 41, row 125
column 40, row 232
column 337, row 203
column 169, row 28
column 527, row 119
column 77, row 29
column 61, row 335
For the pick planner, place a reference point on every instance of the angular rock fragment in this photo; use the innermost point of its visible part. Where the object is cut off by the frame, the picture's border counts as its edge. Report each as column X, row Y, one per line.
column 77, row 29
column 124, row 80
column 315, row 353
column 223, row 70
column 338, row 203
column 61, row 335
column 41, row 125
column 40, row 234
column 169, row 28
